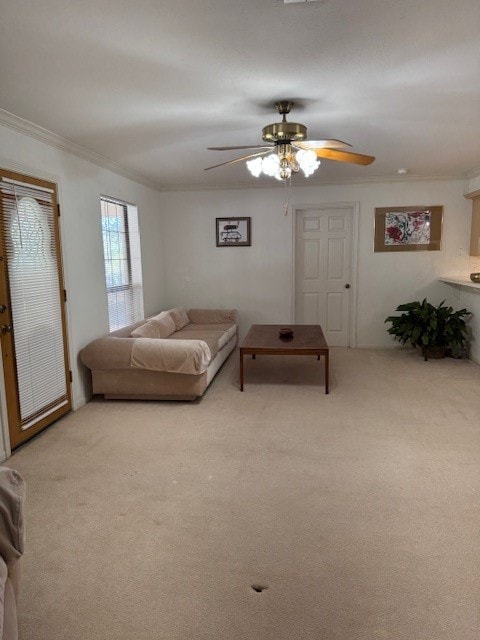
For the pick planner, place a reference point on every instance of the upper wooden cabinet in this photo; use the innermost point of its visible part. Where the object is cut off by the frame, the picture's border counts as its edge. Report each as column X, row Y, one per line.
column 474, row 196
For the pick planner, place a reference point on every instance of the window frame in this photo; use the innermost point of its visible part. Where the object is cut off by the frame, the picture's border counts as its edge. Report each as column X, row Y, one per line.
column 130, row 286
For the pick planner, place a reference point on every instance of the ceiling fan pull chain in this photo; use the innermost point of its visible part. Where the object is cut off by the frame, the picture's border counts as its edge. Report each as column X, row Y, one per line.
column 288, row 188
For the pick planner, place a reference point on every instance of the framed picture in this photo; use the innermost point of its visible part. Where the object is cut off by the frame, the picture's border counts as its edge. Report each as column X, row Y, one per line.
column 233, row 232
column 408, row 228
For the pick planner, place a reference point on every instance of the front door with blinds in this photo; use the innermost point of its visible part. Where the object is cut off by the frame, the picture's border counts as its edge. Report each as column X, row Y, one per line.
column 32, row 315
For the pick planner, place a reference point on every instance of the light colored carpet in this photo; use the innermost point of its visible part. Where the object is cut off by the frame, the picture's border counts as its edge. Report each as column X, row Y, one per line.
column 358, row 510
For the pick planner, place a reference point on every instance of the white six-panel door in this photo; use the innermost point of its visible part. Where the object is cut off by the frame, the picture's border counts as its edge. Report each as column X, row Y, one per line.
column 323, row 241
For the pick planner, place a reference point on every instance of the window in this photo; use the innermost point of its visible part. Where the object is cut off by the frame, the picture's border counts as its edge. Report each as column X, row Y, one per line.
column 123, row 265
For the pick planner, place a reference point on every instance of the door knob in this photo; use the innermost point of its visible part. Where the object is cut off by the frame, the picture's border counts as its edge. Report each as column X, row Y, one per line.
column 347, row 286
column 6, row 328
column 3, row 308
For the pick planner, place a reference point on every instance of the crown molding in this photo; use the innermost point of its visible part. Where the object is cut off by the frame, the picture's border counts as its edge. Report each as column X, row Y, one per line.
column 28, row 128
column 473, row 173
column 322, row 182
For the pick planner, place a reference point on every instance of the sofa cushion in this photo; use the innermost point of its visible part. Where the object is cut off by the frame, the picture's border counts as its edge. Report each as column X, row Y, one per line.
column 222, row 340
column 160, row 326
column 174, row 356
column 180, row 318
column 212, row 316
column 206, row 329
column 232, row 331
column 215, row 338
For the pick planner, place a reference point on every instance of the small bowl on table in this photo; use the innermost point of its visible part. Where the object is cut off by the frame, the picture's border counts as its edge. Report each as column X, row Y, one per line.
column 285, row 333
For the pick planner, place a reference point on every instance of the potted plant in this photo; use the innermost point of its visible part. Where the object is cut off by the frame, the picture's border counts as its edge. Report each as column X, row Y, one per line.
column 435, row 330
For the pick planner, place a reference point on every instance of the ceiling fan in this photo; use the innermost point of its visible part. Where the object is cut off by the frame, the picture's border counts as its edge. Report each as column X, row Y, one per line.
column 289, row 151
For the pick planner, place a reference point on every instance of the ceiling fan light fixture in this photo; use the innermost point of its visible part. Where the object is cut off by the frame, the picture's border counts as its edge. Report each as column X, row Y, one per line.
column 281, row 164
column 285, row 169
column 271, row 165
column 255, row 167
column 284, row 131
column 307, row 161
column 289, row 151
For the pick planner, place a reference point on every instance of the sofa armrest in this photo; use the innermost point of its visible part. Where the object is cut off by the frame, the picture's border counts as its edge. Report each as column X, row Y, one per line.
column 108, row 353
column 12, row 526
column 212, row 316
column 12, row 523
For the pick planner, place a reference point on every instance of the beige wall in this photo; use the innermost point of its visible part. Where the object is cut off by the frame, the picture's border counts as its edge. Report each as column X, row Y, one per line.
column 80, row 184
column 469, row 297
column 258, row 279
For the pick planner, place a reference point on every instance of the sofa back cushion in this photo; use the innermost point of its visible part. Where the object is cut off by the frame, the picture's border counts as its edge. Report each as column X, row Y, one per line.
column 160, row 326
column 212, row 316
column 180, row 318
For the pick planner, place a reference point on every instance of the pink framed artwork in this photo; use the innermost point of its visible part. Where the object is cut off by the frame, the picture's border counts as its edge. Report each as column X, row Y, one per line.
column 408, row 228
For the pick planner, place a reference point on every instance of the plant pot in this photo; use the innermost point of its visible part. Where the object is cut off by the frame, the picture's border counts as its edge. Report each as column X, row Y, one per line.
column 459, row 351
column 433, row 352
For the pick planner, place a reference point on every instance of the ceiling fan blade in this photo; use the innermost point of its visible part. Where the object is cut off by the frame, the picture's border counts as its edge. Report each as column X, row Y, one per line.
column 252, row 155
column 321, row 144
column 250, row 146
column 344, row 156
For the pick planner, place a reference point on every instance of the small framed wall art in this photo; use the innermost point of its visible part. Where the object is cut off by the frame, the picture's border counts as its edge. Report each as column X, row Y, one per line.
column 408, row 228
column 233, row 232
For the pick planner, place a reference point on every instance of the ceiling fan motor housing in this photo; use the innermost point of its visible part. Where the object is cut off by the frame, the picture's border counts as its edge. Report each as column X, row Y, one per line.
column 284, row 132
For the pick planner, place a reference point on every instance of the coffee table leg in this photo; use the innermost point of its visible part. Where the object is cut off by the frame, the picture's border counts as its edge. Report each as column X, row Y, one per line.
column 326, row 373
column 241, row 370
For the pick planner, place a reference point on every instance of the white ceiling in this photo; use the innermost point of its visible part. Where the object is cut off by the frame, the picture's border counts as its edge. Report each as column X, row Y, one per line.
column 151, row 84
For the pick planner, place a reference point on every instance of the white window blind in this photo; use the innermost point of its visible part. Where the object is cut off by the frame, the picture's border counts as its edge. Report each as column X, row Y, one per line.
column 35, row 297
column 123, row 262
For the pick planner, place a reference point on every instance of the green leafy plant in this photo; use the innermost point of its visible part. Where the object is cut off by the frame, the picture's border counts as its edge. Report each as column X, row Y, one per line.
column 424, row 325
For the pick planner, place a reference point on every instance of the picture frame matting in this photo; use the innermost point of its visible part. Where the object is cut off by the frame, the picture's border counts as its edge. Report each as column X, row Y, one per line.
column 415, row 228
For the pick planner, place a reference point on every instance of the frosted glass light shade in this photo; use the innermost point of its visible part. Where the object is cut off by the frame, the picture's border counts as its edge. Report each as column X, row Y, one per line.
column 307, row 160
column 255, row 166
column 271, row 165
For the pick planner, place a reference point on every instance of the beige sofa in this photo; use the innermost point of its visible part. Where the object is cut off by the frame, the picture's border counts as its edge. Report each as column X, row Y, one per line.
column 171, row 356
column 12, row 541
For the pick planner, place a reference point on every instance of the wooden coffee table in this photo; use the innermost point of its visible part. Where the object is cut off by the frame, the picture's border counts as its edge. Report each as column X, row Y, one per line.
column 263, row 339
